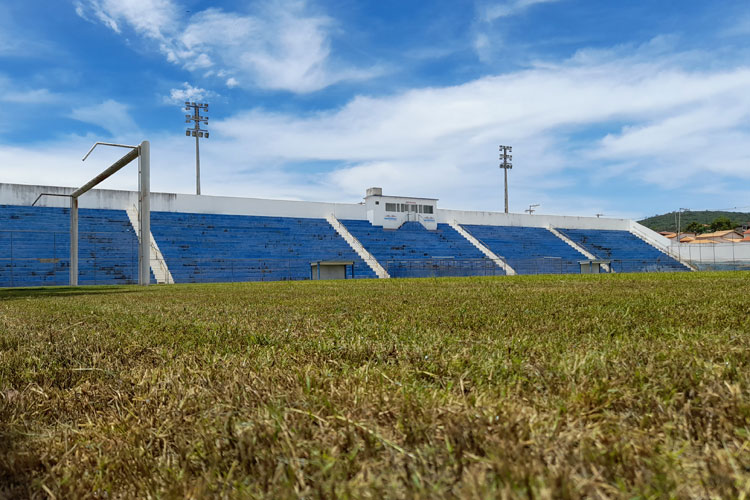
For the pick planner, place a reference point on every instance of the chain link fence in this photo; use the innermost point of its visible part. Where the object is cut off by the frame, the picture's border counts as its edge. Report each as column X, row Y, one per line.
column 714, row 257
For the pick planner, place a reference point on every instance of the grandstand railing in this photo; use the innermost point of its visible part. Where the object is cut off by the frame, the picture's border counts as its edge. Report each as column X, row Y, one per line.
column 447, row 267
column 238, row 270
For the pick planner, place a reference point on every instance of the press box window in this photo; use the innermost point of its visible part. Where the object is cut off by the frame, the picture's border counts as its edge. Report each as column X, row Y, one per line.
column 427, row 209
column 391, row 207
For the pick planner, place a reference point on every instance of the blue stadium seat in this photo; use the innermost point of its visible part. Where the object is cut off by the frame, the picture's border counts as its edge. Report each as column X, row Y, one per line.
column 415, row 252
column 35, row 247
column 629, row 254
column 528, row 250
column 230, row 248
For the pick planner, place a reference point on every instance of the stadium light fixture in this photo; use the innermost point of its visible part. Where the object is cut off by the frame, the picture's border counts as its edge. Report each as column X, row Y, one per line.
column 197, row 132
column 506, row 159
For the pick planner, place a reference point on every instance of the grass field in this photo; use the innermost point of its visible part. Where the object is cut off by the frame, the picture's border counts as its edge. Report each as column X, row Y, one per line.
column 533, row 387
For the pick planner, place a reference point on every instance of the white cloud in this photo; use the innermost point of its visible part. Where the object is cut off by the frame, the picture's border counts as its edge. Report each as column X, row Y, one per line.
column 509, row 8
column 17, row 93
column 232, row 82
column 443, row 141
column 153, row 18
column 584, row 132
column 281, row 47
column 488, row 37
column 188, row 93
column 110, row 115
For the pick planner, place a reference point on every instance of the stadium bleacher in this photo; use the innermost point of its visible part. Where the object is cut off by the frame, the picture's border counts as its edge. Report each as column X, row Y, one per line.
column 413, row 251
column 226, row 248
column 627, row 252
column 528, row 250
column 35, row 246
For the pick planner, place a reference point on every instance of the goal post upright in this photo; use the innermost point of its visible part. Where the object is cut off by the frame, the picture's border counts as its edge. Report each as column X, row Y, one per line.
column 73, row 241
column 143, row 153
column 144, row 211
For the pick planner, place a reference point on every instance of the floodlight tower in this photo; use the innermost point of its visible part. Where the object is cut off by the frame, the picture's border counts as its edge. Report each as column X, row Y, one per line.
column 197, row 132
column 505, row 165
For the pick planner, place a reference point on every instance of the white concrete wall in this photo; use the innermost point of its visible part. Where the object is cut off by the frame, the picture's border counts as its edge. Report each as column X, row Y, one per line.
column 21, row 194
column 503, row 219
column 719, row 252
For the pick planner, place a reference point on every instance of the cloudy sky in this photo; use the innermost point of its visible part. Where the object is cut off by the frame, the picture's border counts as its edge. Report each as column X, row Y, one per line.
column 623, row 108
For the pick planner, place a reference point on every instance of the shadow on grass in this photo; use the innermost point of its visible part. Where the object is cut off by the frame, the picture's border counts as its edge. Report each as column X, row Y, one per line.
column 64, row 291
column 17, row 468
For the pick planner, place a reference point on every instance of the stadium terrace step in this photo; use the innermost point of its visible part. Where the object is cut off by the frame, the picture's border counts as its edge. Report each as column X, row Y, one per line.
column 353, row 242
column 415, row 252
column 627, row 252
column 482, row 248
column 528, row 250
column 646, row 240
column 35, row 247
column 231, row 248
column 158, row 264
column 577, row 247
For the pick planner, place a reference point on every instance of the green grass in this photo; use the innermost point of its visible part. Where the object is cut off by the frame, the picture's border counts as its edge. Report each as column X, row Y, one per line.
column 624, row 386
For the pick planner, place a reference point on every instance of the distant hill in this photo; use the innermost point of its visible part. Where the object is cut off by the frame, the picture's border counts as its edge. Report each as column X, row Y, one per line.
column 668, row 222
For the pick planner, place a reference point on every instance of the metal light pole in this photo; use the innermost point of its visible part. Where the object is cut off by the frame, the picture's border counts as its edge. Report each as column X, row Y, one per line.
column 197, row 132
column 679, row 222
column 679, row 228
column 505, row 165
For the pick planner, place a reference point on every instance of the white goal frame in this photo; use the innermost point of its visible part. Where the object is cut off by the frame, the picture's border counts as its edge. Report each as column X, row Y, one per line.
column 143, row 153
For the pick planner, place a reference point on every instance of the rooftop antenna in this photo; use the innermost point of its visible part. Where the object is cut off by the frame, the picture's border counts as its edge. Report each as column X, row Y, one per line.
column 531, row 208
column 197, row 132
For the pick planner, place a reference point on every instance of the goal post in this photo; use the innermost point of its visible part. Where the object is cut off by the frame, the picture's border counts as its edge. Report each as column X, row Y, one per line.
column 143, row 153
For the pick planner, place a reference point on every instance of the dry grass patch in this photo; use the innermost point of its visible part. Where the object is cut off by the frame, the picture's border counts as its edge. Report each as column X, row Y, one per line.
column 543, row 387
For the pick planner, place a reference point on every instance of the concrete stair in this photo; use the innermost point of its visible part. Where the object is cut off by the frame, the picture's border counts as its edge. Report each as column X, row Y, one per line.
column 158, row 263
column 577, row 247
column 645, row 239
column 486, row 251
column 354, row 243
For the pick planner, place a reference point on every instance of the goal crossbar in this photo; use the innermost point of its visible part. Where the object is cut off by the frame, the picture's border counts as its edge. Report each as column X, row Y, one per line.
column 143, row 153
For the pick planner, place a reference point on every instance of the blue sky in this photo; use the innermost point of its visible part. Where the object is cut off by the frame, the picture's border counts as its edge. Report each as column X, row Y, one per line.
column 622, row 108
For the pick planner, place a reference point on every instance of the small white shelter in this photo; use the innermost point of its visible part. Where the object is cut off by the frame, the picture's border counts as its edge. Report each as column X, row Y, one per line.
column 391, row 212
column 592, row 266
column 331, row 269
